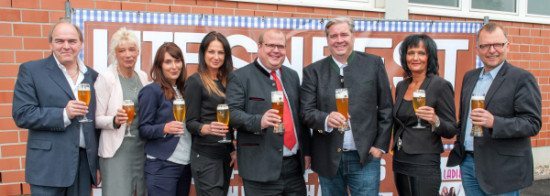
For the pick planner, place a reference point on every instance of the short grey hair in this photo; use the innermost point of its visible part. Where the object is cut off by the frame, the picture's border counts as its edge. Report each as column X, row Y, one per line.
column 122, row 35
column 65, row 21
column 338, row 20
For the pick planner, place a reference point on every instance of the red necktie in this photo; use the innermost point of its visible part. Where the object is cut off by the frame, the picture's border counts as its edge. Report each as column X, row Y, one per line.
column 290, row 139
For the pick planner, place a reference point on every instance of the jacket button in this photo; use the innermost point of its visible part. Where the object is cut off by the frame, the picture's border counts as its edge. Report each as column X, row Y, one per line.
column 339, row 150
column 320, row 131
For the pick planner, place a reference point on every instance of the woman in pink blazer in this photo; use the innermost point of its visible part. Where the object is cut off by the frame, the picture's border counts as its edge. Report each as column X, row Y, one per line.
column 121, row 150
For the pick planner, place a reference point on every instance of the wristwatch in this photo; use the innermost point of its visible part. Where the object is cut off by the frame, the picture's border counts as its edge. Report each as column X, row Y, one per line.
column 437, row 123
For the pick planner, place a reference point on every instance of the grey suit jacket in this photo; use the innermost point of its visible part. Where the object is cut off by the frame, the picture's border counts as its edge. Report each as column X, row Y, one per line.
column 260, row 151
column 503, row 156
column 370, row 108
column 40, row 96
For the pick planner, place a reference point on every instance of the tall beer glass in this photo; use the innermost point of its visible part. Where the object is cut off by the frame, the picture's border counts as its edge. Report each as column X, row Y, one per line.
column 419, row 100
column 84, row 95
column 277, row 102
column 342, row 105
column 222, row 115
column 128, row 107
column 178, row 108
column 477, row 101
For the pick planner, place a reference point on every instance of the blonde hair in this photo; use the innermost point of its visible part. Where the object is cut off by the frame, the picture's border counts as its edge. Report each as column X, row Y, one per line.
column 338, row 20
column 122, row 35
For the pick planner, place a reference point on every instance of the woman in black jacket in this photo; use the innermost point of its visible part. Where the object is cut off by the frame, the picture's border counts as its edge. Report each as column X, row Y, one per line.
column 417, row 149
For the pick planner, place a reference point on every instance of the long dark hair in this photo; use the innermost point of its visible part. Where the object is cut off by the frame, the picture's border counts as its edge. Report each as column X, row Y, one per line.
column 223, row 71
column 158, row 76
column 413, row 41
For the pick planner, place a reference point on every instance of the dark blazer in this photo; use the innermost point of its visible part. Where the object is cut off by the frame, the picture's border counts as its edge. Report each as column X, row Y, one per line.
column 260, row 152
column 440, row 96
column 503, row 156
column 40, row 96
column 370, row 108
column 154, row 112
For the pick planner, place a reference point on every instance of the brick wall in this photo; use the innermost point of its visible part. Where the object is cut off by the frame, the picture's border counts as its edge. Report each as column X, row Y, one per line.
column 24, row 26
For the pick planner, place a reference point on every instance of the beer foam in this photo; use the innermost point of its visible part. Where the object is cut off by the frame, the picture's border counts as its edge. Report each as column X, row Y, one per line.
column 179, row 102
column 419, row 94
column 478, row 97
column 222, row 107
column 341, row 93
column 276, row 96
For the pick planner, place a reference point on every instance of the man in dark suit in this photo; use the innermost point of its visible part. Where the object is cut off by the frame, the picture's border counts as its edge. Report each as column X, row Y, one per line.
column 500, row 161
column 61, row 151
column 347, row 158
column 269, row 163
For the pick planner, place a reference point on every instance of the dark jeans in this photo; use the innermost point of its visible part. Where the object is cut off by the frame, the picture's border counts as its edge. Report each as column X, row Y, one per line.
column 469, row 180
column 165, row 178
column 417, row 186
column 290, row 183
column 211, row 176
column 361, row 180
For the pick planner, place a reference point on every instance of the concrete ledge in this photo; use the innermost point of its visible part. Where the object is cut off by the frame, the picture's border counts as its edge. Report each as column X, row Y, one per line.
column 541, row 160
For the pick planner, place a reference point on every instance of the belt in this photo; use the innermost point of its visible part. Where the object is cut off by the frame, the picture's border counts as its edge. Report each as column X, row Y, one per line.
column 471, row 153
column 347, row 150
column 289, row 157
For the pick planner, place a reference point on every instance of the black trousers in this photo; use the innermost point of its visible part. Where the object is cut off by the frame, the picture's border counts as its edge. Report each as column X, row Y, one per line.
column 417, row 186
column 167, row 178
column 290, row 183
column 211, row 176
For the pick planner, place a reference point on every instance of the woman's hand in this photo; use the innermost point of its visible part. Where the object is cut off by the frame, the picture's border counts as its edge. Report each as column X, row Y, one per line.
column 120, row 117
column 174, row 128
column 215, row 128
column 427, row 113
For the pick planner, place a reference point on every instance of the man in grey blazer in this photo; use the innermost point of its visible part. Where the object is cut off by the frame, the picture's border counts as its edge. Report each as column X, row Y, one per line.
column 501, row 161
column 61, row 152
column 347, row 158
column 269, row 163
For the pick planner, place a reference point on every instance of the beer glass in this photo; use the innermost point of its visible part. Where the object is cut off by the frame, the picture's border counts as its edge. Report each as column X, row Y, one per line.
column 477, row 101
column 128, row 106
column 419, row 100
column 222, row 115
column 342, row 105
column 84, row 95
column 178, row 108
column 277, row 102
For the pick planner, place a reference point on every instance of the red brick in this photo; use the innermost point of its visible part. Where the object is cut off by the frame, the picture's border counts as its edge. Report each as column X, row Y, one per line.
column 321, row 10
column 263, row 13
column 26, row 30
column 10, row 15
column 5, row 110
column 163, row 1
column 226, row 4
column 269, row 7
column 133, row 6
column 185, row 2
column 534, row 49
column 23, row 136
column 53, row 4
column 33, row 4
column 46, row 30
column 8, row 71
column 535, row 32
column 56, row 16
column 202, row 10
column 243, row 5
column 224, row 11
column 282, row 14
column 7, row 84
column 158, row 8
column 11, row 150
column 35, row 16
column 7, row 57
column 5, row 29
column 524, row 32
column 5, row 3
column 24, row 56
column 180, row 9
column 338, row 12
column 13, row 176
column 355, row 13
column 10, row 189
column 206, row 3
column 304, row 9
column 246, row 12
column 36, row 44
column 524, row 48
column 286, row 8
column 11, row 43
column 107, row 5
column 8, row 137
column 82, row 4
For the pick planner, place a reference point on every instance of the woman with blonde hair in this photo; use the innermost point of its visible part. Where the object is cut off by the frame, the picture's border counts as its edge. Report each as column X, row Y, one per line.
column 120, row 147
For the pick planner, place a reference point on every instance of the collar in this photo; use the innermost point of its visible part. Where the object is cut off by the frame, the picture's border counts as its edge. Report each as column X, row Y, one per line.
column 278, row 71
column 81, row 67
column 340, row 66
column 493, row 72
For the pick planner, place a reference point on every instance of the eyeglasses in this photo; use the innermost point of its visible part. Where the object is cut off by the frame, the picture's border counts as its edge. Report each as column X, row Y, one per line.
column 496, row 46
column 273, row 46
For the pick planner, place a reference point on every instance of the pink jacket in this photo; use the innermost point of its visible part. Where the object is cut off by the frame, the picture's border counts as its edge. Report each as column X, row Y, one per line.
column 109, row 100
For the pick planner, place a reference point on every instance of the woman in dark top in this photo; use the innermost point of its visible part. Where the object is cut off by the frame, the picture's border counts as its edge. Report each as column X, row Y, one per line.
column 417, row 151
column 211, row 161
column 168, row 146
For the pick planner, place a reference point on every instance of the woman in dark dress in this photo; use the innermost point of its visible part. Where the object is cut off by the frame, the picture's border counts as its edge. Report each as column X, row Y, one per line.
column 211, row 158
column 416, row 160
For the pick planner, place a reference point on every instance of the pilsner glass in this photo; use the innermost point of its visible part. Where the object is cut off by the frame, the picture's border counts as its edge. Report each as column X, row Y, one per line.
column 277, row 103
column 342, row 105
column 178, row 108
column 477, row 101
column 84, row 95
column 128, row 106
column 222, row 115
column 419, row 100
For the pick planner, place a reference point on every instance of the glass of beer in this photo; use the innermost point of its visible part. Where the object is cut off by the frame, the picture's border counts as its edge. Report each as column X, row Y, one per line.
column 84, row 95
column 178, row 108
column 419, row 100
column 222, row 115
column 277, row 102
column 477, row 101
column 128, row 107
column 342, row 105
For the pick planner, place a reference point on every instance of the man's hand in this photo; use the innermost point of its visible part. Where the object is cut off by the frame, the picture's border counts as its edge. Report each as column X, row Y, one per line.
column 270, row 118
column 482, row 117
column 76, row 108
column 335, row 120
column 307, row 162
column 376, row 152
column 233, row 158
